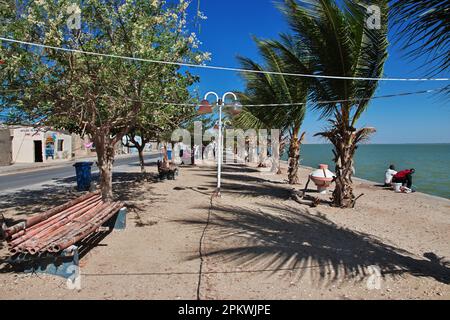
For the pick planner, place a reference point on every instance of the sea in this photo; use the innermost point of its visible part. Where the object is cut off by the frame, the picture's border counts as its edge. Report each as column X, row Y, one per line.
column 431, row 161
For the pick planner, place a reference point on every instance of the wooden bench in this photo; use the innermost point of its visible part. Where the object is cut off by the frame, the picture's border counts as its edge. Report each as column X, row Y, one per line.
column 56, row 232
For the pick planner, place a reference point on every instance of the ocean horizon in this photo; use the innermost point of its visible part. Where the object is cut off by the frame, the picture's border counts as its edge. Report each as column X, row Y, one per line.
column 431, row 161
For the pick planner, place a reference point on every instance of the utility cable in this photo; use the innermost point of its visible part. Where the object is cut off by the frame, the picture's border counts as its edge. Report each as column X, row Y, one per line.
column 191, row 65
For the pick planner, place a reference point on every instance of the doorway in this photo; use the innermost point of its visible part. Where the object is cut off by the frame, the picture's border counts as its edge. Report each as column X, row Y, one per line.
column 38, row 157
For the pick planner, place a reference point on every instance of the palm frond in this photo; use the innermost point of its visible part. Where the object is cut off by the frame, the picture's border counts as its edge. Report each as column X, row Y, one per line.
column 363, row 134
column 338, row 42
column 272, row 89
column 426, row 26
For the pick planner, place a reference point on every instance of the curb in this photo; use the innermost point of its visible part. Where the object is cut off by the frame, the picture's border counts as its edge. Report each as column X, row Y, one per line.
column 56, row 166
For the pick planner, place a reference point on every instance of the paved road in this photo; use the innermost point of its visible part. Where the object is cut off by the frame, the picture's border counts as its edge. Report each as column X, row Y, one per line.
column 27, row 179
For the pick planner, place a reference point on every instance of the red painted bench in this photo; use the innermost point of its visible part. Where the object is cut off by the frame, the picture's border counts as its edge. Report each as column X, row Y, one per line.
column 60, row 228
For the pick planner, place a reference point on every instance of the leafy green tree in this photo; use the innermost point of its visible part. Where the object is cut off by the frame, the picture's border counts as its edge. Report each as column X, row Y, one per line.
column 339, row 41
column 262, row 88
column 157, row 122
column 99, row 96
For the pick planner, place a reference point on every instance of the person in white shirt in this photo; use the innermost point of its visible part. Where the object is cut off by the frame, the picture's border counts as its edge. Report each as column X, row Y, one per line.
column 390, row 173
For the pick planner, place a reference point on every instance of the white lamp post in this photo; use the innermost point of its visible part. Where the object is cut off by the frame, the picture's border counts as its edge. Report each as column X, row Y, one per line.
column 220, row 103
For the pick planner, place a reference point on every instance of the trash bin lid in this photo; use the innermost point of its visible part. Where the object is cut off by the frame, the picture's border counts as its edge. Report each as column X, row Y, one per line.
column 83, row 164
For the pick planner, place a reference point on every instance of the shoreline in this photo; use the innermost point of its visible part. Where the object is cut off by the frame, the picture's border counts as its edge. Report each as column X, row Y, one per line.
column 427, row 195
column 372, row 160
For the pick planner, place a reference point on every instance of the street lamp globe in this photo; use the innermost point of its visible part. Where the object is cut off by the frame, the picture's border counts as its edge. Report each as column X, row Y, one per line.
column 235, row 109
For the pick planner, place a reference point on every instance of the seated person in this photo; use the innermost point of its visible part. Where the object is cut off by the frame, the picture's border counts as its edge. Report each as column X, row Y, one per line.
column 390, row 173
column 404, row 177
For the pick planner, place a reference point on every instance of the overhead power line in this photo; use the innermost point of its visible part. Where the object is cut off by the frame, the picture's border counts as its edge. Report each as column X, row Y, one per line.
column 199, row 66
column 401, row 94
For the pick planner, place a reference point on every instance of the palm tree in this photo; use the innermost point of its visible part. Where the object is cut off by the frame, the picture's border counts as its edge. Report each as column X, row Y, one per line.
column 275, row 89
column 260, row 118
column 338, row 42
column 425, row 25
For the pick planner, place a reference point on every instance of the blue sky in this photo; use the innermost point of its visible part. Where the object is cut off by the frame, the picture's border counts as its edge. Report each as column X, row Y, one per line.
column 228, row 32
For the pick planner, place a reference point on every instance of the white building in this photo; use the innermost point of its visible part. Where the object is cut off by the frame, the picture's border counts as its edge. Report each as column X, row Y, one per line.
column 38, row 145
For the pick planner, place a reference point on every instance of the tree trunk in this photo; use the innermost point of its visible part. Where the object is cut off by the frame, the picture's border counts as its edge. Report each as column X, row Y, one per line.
column 141, row 158
column 166, row 163
column 281, row 150
column 105, row 160
column 294, row 159
column 343, row 196
column 192, row 152
column 173, row 152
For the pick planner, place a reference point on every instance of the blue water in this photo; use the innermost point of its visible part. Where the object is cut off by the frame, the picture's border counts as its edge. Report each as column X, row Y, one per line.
column 431, row 161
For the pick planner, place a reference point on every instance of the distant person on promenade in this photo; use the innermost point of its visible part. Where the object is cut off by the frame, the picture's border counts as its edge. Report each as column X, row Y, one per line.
column 390, row 173
column 214, row 146
column 404, row 177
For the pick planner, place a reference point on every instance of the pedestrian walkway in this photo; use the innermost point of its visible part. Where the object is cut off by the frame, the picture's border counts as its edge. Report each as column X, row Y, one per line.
column 253, row 243
column 30, row 167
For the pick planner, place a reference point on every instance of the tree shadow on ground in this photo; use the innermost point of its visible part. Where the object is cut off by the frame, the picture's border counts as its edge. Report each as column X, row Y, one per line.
column 231, row 168
column 127, row 187
column 27, row 202
column 281, row 237
column 246, row 179
column 243, row 185
column 254, row 190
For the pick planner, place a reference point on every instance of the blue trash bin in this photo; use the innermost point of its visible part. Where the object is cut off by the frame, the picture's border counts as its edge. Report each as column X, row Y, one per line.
column 84, row 176
column 169, row 154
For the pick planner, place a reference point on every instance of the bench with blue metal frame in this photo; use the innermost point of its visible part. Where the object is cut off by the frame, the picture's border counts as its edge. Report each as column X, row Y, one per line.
column 65, row 262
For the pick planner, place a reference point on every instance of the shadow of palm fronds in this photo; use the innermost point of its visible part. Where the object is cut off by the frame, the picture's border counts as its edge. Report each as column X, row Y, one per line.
column 243, row 178
column 268, row 190
column 278, row 237
column 231, row 168
column 28, row 202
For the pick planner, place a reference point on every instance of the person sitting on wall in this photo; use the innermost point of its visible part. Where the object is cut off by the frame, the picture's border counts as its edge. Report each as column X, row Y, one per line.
column 404, row 177
column 390, row 173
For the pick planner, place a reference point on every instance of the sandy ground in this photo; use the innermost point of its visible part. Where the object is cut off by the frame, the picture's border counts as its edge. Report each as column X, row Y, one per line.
column 253, row 243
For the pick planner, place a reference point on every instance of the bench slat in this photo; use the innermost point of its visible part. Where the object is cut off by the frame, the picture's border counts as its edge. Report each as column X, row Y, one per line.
column 62, row 227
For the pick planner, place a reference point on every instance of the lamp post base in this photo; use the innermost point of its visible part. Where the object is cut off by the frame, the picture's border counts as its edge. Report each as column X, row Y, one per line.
column 217, row 194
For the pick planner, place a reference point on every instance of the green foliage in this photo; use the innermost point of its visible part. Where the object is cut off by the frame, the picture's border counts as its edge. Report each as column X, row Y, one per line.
column 332, row 40
column 337, row 42
column 105, row 97
column 263, row 88
column 158, row 121
column 92, row 94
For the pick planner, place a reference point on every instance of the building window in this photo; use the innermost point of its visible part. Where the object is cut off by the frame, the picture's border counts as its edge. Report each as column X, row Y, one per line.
column 60, row 145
